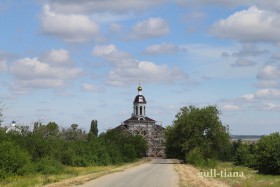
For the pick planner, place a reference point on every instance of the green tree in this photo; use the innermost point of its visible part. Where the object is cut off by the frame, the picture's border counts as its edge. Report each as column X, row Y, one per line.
column 268, row 154
column 14, row 160
column 1, row 110
column 93, row 128
column 245, row 155
column 198, row 131
column 49, row 130
column 73, row 133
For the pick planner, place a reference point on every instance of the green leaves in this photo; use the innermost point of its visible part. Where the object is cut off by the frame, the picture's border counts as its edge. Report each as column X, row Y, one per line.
column 197, row 129
column 268, row 154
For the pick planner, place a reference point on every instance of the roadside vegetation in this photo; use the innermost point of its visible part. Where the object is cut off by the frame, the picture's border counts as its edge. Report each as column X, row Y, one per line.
column 49, row 150
column 198, row 137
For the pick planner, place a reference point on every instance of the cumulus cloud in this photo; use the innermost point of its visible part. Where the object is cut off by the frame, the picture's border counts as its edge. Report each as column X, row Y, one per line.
column 249, row 49
column 163, row 48
column 267, row 4
column 3, row 65
column 269, row 71
column 127, row 69
column 153, row 27
column 251, row 25
column 243, row 62
column 270, row 106
column 68, row 27
column 58, row 56
column 90, row 87
column 115, row 28
column 268, row 93
column 230, row 107
column 30, row 73
column 248, row 97
column 90, row 6
column 267, row 84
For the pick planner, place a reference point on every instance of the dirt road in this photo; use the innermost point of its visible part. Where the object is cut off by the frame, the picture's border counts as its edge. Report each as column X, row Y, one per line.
column 158, row 172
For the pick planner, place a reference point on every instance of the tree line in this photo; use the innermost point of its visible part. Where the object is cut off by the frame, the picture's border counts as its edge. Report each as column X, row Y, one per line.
column 198, row 136
column 47, row 148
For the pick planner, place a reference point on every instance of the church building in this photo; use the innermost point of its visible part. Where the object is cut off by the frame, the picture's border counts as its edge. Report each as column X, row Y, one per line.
column 140, row 124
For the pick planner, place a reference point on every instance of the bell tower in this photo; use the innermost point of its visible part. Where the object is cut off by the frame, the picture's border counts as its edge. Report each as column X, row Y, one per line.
column 139, row 105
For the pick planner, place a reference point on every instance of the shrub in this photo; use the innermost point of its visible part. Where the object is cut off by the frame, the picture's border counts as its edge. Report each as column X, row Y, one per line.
column 196, row 158
column 268, row 154
column 246, row 155
column 48, row 165
column 13, row 160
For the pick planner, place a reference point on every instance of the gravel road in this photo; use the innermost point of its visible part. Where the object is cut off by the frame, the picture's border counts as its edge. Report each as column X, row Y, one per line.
column 157, row 173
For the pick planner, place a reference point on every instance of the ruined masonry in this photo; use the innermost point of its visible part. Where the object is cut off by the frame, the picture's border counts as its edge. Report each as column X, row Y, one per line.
column 140, row 124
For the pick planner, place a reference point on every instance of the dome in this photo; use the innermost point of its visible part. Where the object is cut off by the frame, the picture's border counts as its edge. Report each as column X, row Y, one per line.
column 139, row 99
column 139, row 88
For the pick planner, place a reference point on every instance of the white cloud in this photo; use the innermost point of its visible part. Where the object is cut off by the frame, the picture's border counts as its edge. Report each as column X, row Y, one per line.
column 268, row 93
column 270, row 71
column 252, row 25
column 3, row 65
column 126, row 69
column 163, row 48
column 212, row 3
column 90, row 87
column 30, row 73
column 58, row 55
column 243, row 62
column 111, row 53
column 270, row 107
column 153, row 27
column 230, row 107
column 68, row 27
column 115, row 28
column 267, row 84
column 93, row 6
column 267, row 4
column 248, row 97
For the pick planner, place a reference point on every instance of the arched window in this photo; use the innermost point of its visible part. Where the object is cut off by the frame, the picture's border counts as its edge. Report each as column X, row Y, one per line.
column 144, row 111
column 140, row 110
column 136, row 110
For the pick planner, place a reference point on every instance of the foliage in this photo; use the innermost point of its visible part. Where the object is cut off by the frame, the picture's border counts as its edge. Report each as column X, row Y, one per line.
column 2, row 107
column 93, row 128
column 268, row 154
column 48, row 165
column 198, row 131
column 245, row 155
column 13, row 159
column 47, row 148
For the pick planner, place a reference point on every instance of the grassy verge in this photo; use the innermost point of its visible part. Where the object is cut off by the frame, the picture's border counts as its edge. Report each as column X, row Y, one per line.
column 71, row 176
column 250, row 177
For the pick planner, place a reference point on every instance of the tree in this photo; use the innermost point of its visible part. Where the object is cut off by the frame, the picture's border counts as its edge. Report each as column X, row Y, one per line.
column 245, row 155
column 197, row 131
column 14, row 160
column 268, row 154
column 49, row 130
column 93, row 128
column 2, row 106
column 73, row 133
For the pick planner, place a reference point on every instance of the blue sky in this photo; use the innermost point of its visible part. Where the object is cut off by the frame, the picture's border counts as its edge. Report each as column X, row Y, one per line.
column 73, row 61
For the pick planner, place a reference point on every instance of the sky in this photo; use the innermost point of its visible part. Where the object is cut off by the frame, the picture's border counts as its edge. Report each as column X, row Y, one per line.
column 72, row 61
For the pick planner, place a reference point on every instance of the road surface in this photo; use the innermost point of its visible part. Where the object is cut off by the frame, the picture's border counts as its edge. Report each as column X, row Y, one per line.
column 157, row 173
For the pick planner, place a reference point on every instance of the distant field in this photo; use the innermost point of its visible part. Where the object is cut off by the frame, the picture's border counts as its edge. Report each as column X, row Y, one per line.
column 246, row 137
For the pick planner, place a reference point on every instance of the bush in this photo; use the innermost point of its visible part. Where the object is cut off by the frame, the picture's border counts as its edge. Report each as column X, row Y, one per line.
column 13, row 160
column 48, row 165
column 196, row 158
column 268, row 154
column 246, row 155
